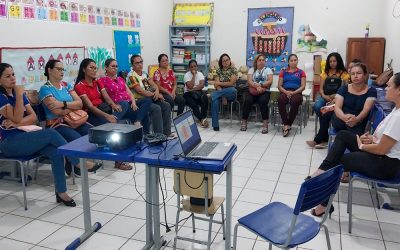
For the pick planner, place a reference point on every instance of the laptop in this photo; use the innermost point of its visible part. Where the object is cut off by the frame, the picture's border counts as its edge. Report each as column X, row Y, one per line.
column 189, row 138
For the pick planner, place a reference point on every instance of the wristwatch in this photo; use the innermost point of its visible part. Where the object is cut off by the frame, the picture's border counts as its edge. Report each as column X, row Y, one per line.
column 65, row 105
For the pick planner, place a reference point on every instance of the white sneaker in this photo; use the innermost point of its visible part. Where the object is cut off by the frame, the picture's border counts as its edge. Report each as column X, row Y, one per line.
column 322, row 145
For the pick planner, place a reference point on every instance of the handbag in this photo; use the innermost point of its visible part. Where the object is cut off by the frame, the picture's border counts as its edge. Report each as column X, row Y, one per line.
column 76, row 118
column 385, row 76
column 332, row 84
column 253, row 91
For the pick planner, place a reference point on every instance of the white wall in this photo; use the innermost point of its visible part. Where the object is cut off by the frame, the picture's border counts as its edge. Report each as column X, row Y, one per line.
column 334, row 20
column 155, row 14
column 392, row 31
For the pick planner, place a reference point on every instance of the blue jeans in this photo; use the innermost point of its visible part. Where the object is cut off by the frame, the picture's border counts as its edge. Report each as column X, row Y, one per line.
column 44, row 142
column 319, row 103
column 71, row 134
column 229, row 93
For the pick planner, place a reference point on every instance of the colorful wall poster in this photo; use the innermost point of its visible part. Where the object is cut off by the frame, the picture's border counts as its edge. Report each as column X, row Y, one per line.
column 64, row 11
column 138, row 20
column 127, row 20
column 120, row 18
column 14, row 9
column 41, row 9
column 100, row 55
column 114, row 17
column 126, row 43
column 52, row 8
column 83, row 14
column 3, row 9
column 91, row 14
column 270, row 32
column 99, row 16
column 193, row 14
column 28, row 9
column 132, row 18
column 310, row 41
column 28, row 63
column 74, row 12
column 107, row 16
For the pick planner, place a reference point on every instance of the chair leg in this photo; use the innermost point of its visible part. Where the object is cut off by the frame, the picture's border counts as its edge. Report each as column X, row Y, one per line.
column 231, row 112
column 376, row 195
column 37, row 168
column 235, row 235
column 350, row 202
column 270, row 246
column 223, row 221
column 193, row 223
column 21, row 165
column 328, row 241
column 209, row 232
column 176, row 226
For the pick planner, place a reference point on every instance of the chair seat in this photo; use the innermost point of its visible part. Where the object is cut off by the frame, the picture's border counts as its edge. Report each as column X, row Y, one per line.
column 394, row 181
column 21, row 158
column 212, row 209
column 272, row 222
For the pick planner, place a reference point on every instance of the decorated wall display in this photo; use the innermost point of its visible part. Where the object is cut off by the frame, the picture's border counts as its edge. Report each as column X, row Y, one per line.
column 126, row 43
column 64, row 11
column 14, row 9
column 99, row 16
column 83, row 14
column 28, row 9
column 28, row 63
column 53, row 10
column 120, row 18
column 193, row 14
column 114, row 17
column 74, row 12
column 107, row 16
column 41, row 9
column 3, row 8
column 91, row 14
column 100, row 55
column 270, row 32
column 310, row 41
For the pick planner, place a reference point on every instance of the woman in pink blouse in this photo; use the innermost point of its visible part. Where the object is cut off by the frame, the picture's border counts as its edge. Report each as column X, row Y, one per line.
column 165, row 79
column 119, row 92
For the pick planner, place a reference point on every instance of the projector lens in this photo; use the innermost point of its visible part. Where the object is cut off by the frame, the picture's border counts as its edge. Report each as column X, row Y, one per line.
column 115, row 137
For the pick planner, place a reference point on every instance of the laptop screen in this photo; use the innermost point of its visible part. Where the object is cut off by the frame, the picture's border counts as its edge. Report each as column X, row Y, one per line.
column 187, row 131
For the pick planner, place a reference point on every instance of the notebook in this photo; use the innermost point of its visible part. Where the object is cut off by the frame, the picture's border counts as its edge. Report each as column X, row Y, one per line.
column 190, row 140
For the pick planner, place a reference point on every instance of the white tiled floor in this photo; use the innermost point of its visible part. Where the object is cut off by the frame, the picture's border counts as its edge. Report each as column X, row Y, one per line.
column 266, row 168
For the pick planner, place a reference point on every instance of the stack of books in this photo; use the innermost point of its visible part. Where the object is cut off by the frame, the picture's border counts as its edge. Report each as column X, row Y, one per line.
column 178, row 55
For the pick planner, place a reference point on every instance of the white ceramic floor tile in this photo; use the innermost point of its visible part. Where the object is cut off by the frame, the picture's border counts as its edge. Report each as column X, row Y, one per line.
column 10, row 203
column 136, row 209
column 104, row 188
column 9, row 223
column 112, row 205
column 96, row 216
column 62, row 237
column 61, row 214
column 390, row 232
column 362, row 228
column 126, row 192
column 123, row 226
column 319, row 242
column 255, row 196
column 34, row 232
column 353, row 242
column 14, row 245
column 132, row 244
column 262, row 185
column 100, row 241
column 392, row 245
column 35, row 209
column 265, row 174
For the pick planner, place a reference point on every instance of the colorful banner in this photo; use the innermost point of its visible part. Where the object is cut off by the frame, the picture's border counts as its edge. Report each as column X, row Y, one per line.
column 127, row 43
column 74, row 12
column 28, row 9
column 270, row 32
column 138, row 20
column 52, row 8
column 193, row 14
column 120, row 18
column 64, row 11
column 83, row 14
column 91, row 14
column 41, row 9
column 28, row 63
column 99, row 16
column 107, row 14
column 114, row 17
column 3, row 8
column 14, row 9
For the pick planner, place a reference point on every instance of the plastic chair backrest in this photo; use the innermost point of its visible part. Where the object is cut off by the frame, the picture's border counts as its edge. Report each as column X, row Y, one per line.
column 377, row 118
column 318, row 189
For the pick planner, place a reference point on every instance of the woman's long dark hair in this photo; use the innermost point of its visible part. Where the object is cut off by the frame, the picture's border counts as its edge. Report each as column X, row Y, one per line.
column 81, row 73
column 220, row 60
column 3, row 67
column 396, row 79
column 339, row 66
column 49, row 65
column 160, row 56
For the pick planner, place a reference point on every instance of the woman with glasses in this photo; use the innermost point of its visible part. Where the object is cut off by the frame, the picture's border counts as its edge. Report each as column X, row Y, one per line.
column 120, row 93
column 259, row 79
column 58, row 99
column 15, row 112
column 165, row 79
column 224, row 87
column 100, row 107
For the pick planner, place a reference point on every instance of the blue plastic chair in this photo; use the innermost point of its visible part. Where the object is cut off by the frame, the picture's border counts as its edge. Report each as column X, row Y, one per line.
column 287, row 227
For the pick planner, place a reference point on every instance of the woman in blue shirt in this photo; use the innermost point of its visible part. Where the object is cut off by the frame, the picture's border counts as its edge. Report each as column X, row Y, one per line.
column 15, row 111
column 291, row 84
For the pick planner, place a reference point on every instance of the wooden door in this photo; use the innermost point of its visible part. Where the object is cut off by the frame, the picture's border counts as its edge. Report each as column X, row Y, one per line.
column 375, row 56
column 355, row 50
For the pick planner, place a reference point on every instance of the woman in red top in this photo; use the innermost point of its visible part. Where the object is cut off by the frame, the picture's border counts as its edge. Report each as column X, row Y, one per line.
column 165, row 78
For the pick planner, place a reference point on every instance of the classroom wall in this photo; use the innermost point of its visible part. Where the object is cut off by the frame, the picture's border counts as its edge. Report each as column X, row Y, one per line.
column 392, row 31
column 334, row 20
column 155, row 15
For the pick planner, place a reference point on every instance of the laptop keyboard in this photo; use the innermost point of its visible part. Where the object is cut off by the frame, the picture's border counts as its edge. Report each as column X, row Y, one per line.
column 205, row 149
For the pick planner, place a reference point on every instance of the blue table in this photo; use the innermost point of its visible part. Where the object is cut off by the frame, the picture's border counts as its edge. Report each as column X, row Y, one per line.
column 163, row 157
column 154, row 157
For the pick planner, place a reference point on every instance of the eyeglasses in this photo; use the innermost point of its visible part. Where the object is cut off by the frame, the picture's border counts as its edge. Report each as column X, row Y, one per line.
column 60, row 69
column 139, row 62
column 114, row 66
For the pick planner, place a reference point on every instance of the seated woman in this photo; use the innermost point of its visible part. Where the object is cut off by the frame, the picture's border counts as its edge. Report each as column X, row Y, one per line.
column 165, row 79
column 259, row 79
column 119, row 93
column 377, row 155
column 224, row 87
column 194, row 95
column 15, row 111
column 331, row 79
column 291, row 84
column 142, row 86
column 58, row 99
column 92, row 93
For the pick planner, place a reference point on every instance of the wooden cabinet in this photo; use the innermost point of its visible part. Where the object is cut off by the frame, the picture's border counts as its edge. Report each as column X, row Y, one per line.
column 370, row 51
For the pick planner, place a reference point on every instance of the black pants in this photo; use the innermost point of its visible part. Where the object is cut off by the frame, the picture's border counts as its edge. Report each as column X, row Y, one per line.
column 375, row 166
column 178, row 101
column 262, row 101
column 197, row 100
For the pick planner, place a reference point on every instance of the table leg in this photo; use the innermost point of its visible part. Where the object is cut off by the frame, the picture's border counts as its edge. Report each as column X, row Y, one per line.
column 149, row 213
column 228, row 220
column 89, row 228
column 156, row 207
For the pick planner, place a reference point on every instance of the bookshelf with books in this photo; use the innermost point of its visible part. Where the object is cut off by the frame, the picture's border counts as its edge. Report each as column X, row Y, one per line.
column 186, row 43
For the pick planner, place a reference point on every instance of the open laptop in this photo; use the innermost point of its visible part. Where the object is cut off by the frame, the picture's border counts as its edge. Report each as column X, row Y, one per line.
column 190, row 140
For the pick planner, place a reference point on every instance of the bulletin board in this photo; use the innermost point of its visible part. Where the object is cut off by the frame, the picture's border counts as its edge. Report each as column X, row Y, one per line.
column 29, row 63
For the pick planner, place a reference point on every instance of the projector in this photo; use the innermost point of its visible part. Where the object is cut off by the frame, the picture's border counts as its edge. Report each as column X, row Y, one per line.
column 115, row 135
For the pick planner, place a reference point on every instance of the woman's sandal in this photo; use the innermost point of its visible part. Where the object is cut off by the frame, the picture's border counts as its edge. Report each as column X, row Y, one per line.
column 264, row 130
column 122, row 166
column 286, row 131
column 243, row 126
column 345, row 177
